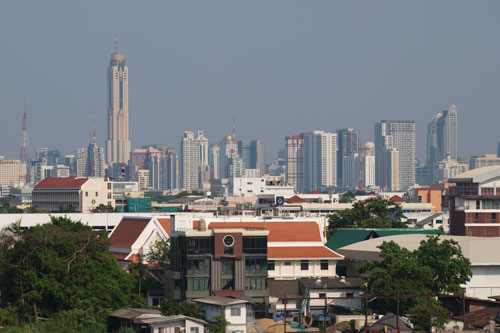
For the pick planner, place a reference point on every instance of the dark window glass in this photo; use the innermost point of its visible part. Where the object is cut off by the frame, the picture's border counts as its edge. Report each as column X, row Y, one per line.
column 324, row 265
column 270, row 265
column 288, row 263
column 322, row 295
column 227, row 267
column 198, row 266
column 199, row 245
column 196, row 284
column 255, row 265
column 493, row 217
column 255, row 283
column 477, row 217
column 227, row 284
column 304, row 265
column 254, row 245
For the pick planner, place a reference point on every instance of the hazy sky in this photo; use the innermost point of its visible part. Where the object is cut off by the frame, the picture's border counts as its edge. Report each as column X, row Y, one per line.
column 279, row 67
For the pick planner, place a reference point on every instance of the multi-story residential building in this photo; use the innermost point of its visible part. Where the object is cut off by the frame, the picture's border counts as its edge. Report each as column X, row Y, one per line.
column 447, row 168
column 118, row 142
column 228, row 155
column 392, row 136
column 483, row 161
column 253, row 153
column 320, row 161
column 234, row 310
column 189, row 162
column 295, row 160
column 348, row 144
column 251, row 187
column 82, row 194
column 367, row 155
column 474, row 202
column 202, row 142
column 12, row 173
column 143, row 179
column 90, row 161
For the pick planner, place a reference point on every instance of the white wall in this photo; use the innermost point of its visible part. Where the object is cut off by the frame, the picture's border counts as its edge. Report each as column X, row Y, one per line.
column 282, row 271
column 485, row 282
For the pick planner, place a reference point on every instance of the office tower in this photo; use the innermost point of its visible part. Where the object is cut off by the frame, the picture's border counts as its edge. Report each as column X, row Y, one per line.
column 153, row 164
column 228, row 151
column 320, row 161
column 395, row 139
column 90, row 161
column 348, row 144
column 118, row 143
column 169, row 166
column 162, row 167
column 213, row 161
column 189, row 162
column 253, row 153
column 351, row 170
column 442, row 135
column 41, row 153
column 295, row 160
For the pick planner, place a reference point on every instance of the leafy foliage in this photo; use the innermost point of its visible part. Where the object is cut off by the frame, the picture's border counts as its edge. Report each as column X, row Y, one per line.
column 159, row 254
column 220, row 324
column 424, row 316
column 436, row 267
column 61, row 269
column 376, row 213
column 171, row 307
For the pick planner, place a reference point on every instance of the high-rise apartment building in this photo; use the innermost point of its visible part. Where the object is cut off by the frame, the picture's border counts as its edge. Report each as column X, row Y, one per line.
column 320, row 161
column 442, row 136
column 12, row 173
column 189, row 162
column 137, row 162
column 348, row 144
column 213, row 161
column 118, row 143
column 203, row 169
column 392, row 136
column 228, row 151
column 295, row 160
column 89, row 161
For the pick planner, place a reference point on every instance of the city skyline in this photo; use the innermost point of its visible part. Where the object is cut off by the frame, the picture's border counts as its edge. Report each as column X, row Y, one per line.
column 202, row 85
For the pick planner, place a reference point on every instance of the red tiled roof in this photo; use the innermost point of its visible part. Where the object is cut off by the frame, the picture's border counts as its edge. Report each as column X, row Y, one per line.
column 396, row 198
column 127, row 232
column 63, row 182
column 165, row 223
column 278, row 231
column 295, row 198
column 301, row 252
column 120, row 255
column 315, row 192
column 428, row 188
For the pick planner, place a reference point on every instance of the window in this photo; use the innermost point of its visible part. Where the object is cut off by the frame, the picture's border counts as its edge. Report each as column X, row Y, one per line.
column 477, row 217
column 96, row 194
column 235, row 312
column 270, row 265
column 349, row 294
column 227, row 284
column 86, row 194
column 109, row 195
column 197, row 284
column 478, row 204
column 198, row 266
column 161, row 330
column 288, row 263
column 324, row 265
column 109, row 186
column 227, row 267
column 255, row 283
column 493, row 217
column 194, row 330
column 255, row 265
column 304, row 265
column 322, row 295
column 255, row 245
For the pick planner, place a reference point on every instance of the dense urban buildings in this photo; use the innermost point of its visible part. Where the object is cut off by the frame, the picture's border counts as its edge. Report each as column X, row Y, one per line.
column 348, row 145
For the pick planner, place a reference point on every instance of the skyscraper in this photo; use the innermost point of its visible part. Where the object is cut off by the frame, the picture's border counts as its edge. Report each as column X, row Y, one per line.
column 442, row 135
column 118, row 143
column 348, row 142
column 320, row 161
column 295, row 160
column 253, row 153
column 189, row 161
column 395, row 143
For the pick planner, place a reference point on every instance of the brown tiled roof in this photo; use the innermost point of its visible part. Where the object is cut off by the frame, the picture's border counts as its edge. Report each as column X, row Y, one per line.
column 63, row 182
column 301, row 252
column 120, row 255
column 481, row 317
column 165, row 223
column 295, row 198
column 127, row 232
column 278, row 231
column 396, row 198
column 315, row 192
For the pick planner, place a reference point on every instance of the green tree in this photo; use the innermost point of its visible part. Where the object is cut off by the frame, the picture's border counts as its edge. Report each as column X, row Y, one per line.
column 63, row 266
column 375, row 213
column 436, row 267
column 424, row 315
column 159, row 254
column 220, row 324
column 346, row 197
column 171, row 307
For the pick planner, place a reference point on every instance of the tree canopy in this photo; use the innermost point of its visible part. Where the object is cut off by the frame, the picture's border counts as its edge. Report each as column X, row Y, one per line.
column 375, row 213
column 62, row 266
column 436, row 267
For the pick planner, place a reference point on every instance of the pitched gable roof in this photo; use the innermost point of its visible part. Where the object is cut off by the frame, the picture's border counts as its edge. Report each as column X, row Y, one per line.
column 304, row 252
column 396, row 198
column 278, row 231
column 127, row 232
column 296, row 199
column 63, row 182
column 165, row 223
column 315, row 192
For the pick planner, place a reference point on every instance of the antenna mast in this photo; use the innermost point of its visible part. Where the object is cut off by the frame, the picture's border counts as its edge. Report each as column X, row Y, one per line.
column 25, row 146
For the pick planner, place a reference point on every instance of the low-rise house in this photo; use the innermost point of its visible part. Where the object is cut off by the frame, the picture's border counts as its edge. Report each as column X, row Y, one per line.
column 152, row 321
column 235, row 311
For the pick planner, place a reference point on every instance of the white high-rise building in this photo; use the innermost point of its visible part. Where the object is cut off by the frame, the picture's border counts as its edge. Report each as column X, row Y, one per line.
column 295, row 160
column 320, row 161
column 189, row 162
column 213, row 161
column 368, row 164
column 12, row 173
column 202, row 143
column 118, row 143
column 389, row 137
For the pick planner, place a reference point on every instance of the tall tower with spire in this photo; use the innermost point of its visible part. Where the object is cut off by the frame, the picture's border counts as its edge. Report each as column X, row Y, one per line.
column 25, row 146
column 117, row 143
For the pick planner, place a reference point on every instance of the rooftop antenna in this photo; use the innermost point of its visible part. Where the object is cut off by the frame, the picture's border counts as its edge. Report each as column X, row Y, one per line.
column 25, row 147
column 234, row 128
column 116, row 43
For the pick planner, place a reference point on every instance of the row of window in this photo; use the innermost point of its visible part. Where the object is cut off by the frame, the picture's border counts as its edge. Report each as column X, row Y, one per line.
column 304, row 265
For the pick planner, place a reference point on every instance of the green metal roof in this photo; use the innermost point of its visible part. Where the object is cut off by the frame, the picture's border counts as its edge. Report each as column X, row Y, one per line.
column 345, row 237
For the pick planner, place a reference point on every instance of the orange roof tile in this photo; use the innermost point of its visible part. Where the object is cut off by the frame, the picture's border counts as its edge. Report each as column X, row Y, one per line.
column 301, row 252
column 315, row 192
column 295, row 198
column 165, row 223
column 127, row 232
column 396, row 198
column 120, row 255
column 278, row 231
column 63, row 182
